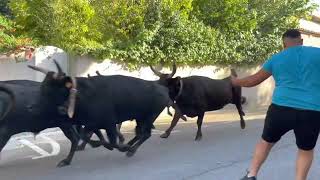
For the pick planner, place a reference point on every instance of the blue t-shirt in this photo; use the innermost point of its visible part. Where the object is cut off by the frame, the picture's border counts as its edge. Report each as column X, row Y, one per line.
column 296, row 72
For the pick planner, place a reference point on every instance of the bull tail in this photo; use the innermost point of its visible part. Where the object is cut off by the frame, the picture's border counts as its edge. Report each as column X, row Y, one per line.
column 234, row 73
column 11, row 104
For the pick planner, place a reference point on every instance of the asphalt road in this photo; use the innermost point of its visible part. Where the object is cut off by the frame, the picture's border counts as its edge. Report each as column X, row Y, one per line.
column 223, row 154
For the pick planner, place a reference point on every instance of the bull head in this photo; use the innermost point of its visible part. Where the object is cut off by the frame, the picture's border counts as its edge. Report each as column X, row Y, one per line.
column 175, row 86
column 69, row 82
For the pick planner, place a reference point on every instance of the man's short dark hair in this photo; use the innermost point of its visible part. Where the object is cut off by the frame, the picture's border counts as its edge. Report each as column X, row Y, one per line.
column 291, row 33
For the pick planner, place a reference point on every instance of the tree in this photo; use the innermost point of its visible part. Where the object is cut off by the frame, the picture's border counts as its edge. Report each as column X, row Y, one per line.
column 141, row 32
column 10, row 42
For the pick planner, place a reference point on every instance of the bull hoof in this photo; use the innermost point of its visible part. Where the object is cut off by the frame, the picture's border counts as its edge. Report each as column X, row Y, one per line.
column 131, row 152
column 243, row 126
column 63, row 163
column 164, row 135
column 108, row 146
column 95, row 144
column 124, row 148
column 198, row 138
column 81, row 148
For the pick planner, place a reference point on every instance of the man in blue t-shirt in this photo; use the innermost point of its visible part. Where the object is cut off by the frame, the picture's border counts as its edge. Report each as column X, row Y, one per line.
column 295, row 102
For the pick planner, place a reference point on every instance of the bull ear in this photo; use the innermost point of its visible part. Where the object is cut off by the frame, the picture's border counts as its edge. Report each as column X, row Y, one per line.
column 177, row 80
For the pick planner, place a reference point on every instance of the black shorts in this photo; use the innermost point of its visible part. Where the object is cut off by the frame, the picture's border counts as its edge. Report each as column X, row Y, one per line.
column 304, row 123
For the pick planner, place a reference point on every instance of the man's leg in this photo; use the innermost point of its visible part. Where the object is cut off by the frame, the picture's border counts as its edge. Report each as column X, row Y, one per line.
column 306, row 132
column 260, row 155
column 303, row 164
column 279, row 121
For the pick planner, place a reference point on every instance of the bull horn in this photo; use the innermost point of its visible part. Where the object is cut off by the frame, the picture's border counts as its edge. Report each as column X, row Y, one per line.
column 11, row 104
column 98, row 73
column 155, row 71
column 174, row 69
column 72, row 98
column 44, row 71
column 58, row 67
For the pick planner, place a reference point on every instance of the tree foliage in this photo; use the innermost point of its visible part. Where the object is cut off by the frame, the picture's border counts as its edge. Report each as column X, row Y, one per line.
column 10, row 41
column 140, row 32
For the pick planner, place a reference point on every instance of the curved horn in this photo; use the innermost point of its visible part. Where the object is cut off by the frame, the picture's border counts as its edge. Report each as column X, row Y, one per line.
column 58, row 67
column 44, row 71
column 155, row 71
column 174, row 69
column 98, row 73
column 72, row 98
column 11, row 104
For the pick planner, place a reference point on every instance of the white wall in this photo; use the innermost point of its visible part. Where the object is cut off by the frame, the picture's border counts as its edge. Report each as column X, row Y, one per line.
column 10, row 70
column 257, row 96
column 81, row 66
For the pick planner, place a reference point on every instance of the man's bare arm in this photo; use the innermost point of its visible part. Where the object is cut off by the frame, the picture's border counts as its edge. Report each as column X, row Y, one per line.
column 252, row 80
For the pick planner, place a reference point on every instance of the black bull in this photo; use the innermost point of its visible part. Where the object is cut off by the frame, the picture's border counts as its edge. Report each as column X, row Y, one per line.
column 195, row 95
column 101, row 102
column 21, row 112
column 25, row 114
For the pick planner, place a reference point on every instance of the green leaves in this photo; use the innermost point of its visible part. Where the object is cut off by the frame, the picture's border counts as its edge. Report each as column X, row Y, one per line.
column 142, row 32
column 9, row 40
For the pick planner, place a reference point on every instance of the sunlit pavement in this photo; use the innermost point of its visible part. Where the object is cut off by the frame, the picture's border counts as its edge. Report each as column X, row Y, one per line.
column 223, row 153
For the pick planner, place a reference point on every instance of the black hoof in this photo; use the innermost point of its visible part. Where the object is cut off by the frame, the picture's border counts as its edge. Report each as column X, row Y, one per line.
column 198, row 138
column 108, row 146
column 81, row 148
column 131, row 152
column 243, row 125
column 63, row 163
column 164, row 135
column 95, row 144
column 124, row 148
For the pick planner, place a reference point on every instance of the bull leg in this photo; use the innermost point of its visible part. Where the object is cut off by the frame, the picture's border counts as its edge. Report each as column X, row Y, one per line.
column 144, row 135
column 168, row 111
column 112, row 136
column 70, row 133
column 138, row 135
column 121, row 137
column 82, row 146
column 174, row 122
column 94, row 143
column 241, row 113
column 103, row 141
column 176, row 108
column 4, row 137
column 199, row 123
